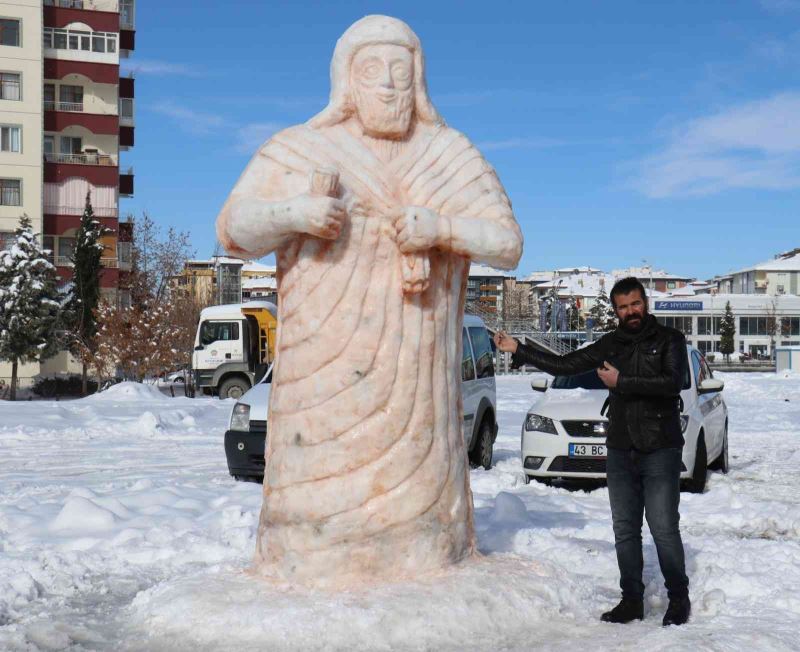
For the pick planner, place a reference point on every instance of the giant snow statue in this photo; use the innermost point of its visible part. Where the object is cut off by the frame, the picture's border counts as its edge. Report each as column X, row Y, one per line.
column 374, row 209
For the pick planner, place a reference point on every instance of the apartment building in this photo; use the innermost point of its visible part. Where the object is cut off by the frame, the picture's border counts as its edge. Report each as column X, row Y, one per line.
column 65, row 117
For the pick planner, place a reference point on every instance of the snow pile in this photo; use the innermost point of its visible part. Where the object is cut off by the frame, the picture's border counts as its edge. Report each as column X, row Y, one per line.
column 129, row 391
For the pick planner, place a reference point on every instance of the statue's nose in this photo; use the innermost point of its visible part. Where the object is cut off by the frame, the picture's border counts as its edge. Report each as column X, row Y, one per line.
column 387, row 81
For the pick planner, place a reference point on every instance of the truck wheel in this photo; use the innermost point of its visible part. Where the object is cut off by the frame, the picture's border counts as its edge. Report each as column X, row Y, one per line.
column 233, row 388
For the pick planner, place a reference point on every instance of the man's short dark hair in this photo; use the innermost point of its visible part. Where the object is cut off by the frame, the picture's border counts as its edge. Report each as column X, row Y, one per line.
column 626, row 286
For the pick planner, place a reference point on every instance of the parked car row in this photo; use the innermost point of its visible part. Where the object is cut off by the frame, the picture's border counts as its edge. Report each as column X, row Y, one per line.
column 563, row 434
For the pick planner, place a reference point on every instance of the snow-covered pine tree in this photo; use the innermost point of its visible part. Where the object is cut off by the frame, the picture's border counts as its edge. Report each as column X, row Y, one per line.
column 29, row 302
column 85, row 293
column 602, row 312
column 727, row 333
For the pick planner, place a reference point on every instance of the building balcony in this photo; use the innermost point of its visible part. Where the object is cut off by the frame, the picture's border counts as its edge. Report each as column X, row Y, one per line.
column 127, row 87
column 109, row 263
column 101, row 15
column 97, row 169
column 57, row 119
column 126, row 183
column 67, row 107
column 101, row 73
column 126, row 137
column 126, row 111
column 80, row 45
column 82, row 159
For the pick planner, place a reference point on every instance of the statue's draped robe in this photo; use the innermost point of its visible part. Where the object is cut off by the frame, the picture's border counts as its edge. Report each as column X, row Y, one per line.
column 366, row 468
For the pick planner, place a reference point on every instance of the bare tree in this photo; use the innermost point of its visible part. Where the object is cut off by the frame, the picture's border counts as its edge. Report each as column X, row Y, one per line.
column 156, row 258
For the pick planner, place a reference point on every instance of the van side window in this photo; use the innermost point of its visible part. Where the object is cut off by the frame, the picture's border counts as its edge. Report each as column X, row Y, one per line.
column 467, row 366
column 482, row 345
column 218, row 331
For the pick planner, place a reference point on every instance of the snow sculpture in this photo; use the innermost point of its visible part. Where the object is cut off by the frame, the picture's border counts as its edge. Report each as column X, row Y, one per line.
column 374, row 209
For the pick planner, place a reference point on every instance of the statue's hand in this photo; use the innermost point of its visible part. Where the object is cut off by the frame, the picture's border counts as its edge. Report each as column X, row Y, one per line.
column 318, row 215
column 417, row 229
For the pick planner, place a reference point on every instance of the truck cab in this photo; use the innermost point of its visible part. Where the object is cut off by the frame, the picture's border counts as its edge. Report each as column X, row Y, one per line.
column 234, row 346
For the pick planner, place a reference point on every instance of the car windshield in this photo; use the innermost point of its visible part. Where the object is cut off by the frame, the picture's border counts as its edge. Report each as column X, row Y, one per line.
column 589, row 380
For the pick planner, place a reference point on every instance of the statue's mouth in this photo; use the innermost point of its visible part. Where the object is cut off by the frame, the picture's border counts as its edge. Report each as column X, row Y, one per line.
column 387, row 98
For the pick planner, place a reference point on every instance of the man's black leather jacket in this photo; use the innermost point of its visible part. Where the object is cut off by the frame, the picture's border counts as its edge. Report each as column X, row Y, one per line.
column 644, row 407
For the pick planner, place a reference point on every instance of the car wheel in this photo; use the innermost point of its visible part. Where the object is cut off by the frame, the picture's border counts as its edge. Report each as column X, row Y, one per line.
column 481, row 454
column 697, row 484
column 721, row 463
column 233, row 388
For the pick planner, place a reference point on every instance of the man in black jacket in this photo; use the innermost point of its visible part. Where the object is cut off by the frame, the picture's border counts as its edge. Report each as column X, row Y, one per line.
column 644, row 365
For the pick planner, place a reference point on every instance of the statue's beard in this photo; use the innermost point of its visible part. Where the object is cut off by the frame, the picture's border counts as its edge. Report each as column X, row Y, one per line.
column 381, row 119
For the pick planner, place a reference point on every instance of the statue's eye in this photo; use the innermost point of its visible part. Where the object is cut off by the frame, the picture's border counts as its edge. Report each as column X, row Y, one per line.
column 371, row 70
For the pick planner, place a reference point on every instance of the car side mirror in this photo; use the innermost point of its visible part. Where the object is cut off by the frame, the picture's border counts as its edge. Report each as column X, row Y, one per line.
column 710, row 385
column 539, row 384
column 199, row 347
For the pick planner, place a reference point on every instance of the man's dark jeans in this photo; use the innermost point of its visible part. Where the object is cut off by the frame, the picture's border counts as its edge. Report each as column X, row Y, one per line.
column 647, row 483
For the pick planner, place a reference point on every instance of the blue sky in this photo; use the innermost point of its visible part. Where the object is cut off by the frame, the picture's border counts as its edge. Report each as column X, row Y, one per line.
column 622, row 130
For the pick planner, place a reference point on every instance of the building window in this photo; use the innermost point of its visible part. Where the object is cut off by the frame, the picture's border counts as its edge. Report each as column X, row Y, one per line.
column 126, row 107
column 126, row 13
column 66, row 249
column 704, row 326
column 69, row 39
column 705, row 346
column 790, row 326
column 9, row 31
column 71, row 145
column 10, row 194
column 49, row 145
column 10, row 86
column 49, row 97
column 753, row 326
column 10, row 139
column 124, row 252
column 7, row 238
column 683, row 324
column 70, row 98
column 670, row 285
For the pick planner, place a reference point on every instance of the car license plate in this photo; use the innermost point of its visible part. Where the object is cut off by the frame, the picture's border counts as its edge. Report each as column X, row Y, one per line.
column 587, row 450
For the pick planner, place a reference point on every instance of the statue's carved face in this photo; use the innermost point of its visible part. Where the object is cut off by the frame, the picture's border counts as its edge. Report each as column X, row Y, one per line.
column 382, row 82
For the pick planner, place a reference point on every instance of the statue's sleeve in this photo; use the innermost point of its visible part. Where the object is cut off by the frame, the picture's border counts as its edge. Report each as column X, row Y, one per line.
column 246, row 225
column 463, row 187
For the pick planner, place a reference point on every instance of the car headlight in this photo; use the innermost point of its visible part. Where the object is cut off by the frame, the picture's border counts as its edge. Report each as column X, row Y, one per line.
column 684, row 422
column 240, row 417
column 538, row 423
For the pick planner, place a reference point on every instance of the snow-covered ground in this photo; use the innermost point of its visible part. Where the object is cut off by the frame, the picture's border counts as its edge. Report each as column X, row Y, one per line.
column 120, row 529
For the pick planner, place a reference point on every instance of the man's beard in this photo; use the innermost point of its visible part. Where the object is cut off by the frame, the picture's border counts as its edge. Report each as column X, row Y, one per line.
column 626, row 325
column 382, row 120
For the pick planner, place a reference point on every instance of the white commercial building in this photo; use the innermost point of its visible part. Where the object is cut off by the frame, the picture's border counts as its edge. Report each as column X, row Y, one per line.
column 763, row 322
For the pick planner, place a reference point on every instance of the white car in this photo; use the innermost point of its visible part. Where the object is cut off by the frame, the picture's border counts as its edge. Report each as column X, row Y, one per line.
column 563, row 435
column 246, row 436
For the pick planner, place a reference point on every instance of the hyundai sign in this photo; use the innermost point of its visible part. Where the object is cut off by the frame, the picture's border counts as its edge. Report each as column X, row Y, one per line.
column 679, row 305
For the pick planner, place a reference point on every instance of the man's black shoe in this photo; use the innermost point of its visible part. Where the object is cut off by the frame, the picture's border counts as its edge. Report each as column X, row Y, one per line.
column 677, row 612
column 625, row 612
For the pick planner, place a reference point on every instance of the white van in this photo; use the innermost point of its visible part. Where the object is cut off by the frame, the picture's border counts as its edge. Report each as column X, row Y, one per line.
column 245, row 438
